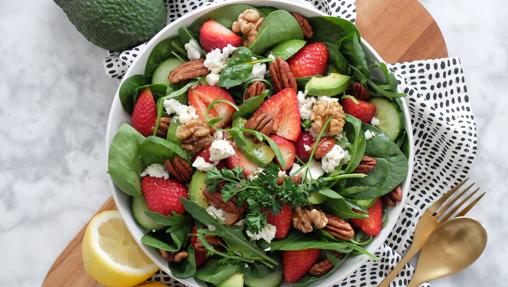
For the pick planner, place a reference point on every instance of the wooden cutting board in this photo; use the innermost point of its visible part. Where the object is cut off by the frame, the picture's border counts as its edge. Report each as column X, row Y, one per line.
column 399, row 30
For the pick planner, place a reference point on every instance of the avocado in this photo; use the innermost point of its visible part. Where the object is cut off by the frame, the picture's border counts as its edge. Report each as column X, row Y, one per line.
column 287, row 49
column 116, row 25
column 331, row 85
column 197, row 187
column 270, row 280
column 236, row 280
column 316, row 198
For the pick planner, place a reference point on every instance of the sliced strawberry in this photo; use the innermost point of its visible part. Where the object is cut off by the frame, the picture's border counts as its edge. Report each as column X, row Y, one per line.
column 283, row 107
column 304, row 146
column 296, row 264
column 163, row 195
column 144, row 114
column 214, row 35
column 363, row 110
column 202, row 96
column 310, row 61
column 239, row 160
column 372, row 225
column 287, row 148
column 199, row 255
column 282, row 221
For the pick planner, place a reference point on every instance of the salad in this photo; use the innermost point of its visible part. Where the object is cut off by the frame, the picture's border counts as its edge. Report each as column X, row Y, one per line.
column 263, row 147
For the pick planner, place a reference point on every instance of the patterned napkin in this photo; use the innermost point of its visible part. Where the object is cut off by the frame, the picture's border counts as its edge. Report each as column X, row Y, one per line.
column 444, row 130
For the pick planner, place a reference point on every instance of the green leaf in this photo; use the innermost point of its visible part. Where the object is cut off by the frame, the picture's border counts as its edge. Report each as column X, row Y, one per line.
column 336, row 58
column 160, row 240
column 214, row 121
column 215, row 273
column 128, row 91
column 185, row 269
column 351, row 48
column 250, row 105
column 331, row 29
column 164, row 50
column 308, row 280
column 225, row 15
column 271, row 143
column 356, row 137
column 124, row 164
column 155, row 150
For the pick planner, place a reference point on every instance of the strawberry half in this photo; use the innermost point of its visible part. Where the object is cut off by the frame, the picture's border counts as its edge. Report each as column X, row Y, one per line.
column 163, row 195
column 372, row 225
column 295, row 264
column 363, row 110
column 282, row 221
column 239, row 160
column 201, row 96
column 214, row 35
column 310, row 61
column 283, row 107
column 144, row 114
column 304, row 146
column 287, row 148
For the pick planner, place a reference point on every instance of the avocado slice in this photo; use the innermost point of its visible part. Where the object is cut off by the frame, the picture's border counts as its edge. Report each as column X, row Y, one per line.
column 330, row 85
column 197, row 187
column 236, row 280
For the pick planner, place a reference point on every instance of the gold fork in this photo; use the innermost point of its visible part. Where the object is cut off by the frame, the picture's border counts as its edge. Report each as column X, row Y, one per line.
column 437, row 213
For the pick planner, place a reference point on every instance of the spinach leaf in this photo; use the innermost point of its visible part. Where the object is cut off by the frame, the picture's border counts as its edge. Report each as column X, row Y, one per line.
column 215, row 273
column 250, row 105
column 171, row 47
column 336, row 58
column 176, row 234
column 331, row 29
column 239, row 68
column 356, row 137
column 340, row 206
column 351, row 48
column 128, row 91
column 265, row 10
column 158, row 90
column 155, row 150
column 160, row 240
column 185, row 269
column 124, row 165
column 225, row 15
column 383, row 82
column 279, row 26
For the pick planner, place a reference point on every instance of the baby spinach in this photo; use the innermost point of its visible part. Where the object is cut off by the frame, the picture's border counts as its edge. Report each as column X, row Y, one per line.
column 331, row 29
column 176, row 235
column 158, row 90
column 225, row 15
column 340, row 206
column 185, row 269
column 160, row 240
column 336, row 58
column 216, row 272
column 124, row 164
column 239, row 68
column 266, row 10
column 171, row 47
column 279, row 26
column 351, row 48
column 250, row 105
column 383, row 82
column 128, row 91
column 155, row 150
column 356, row 137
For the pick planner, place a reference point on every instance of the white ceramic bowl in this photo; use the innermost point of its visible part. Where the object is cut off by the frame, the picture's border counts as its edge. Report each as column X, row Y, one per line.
column 117, row 117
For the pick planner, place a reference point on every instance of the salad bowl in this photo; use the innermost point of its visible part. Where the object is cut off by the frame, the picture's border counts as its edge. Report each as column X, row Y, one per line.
column 118, row 116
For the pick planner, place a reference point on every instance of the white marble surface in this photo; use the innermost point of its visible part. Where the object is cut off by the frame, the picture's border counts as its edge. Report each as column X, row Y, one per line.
column 55, row 98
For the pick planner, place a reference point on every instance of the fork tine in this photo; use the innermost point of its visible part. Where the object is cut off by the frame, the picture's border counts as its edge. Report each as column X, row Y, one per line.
column 443, row 198
column 453, row 210
column 466, row 209
column 446, row 206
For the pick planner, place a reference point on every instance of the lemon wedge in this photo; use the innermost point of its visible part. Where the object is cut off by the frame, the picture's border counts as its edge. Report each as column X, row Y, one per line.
column 110, row 254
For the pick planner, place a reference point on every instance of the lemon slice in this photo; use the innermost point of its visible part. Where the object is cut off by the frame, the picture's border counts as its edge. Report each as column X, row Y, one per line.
column 110, row 254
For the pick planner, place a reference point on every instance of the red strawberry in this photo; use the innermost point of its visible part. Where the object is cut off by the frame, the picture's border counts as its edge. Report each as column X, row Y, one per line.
column 283, row 107
column 213, row 35
column 363, row 110
column 201, row 96
column 311, row 60
column 287, row 148
column 199, row 255
column 163, row 195
column 372, row 225
column 282, row 221
column 144, row 114
column 304, row 146
column 240, row 160
column 296, row 263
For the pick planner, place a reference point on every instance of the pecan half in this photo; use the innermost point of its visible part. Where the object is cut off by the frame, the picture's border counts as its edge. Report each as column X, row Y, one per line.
column 254, row 89
column 261, row 122
column 179, row 169
column 174, row 257
column 195, row 135
column 339, row 228
column 304, row 24
column 360, row 92
column 392, row 198
column 306, row 219
column 321, row 268
column 162, row 131
column 367, row 165
column 188, row 70
column 281, row 75
column 325, row 145
column 215, row 199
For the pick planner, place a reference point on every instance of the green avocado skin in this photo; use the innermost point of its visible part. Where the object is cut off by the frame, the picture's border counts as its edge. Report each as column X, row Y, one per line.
column 116, row 25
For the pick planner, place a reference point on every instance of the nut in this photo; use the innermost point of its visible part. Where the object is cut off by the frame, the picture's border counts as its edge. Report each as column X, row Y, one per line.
column 195, row 135
column 188, row 70
column 281, row 75
column 325, row 145
column 211, row 239
column 262, row 122
column 162, row 131
column 321, row 268
column 304, row 24
column 179, row 169
column 305, row 219
column 248, row 24
column 367, row 165
column 322, row 111
column 254, row 89
column 392, row 198
column 339, row 228
column 215, row 199
column 174, row 257
column 360, row 92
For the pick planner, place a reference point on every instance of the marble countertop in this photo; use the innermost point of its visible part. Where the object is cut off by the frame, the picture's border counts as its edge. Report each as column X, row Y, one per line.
column 55, row 100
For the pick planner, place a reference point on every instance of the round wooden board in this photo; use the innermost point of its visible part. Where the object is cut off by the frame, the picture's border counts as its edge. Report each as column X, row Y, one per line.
column 399, row 30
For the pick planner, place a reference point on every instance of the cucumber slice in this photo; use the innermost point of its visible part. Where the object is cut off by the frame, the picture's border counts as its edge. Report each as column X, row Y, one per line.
column 236, row 280
column 391, row 119
column 161, row 73
column 272, row 280
column 138, row 208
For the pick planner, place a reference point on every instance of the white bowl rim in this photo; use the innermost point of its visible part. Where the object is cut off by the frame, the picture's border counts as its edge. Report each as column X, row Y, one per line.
column 353, row 263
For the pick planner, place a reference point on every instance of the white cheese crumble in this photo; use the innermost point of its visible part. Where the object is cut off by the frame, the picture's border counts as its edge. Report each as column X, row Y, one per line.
column 334, row 158
column 313, row 172
column 201, row 164
column 156, row 170
column 183, row 112
column 369, row 134
column 212, row 79
column 217, row 60
column 305, row 105
column 258, row 71
column 193, row 50
column 216, row 213
column 221, row 149
column 374, row 121
column 327, row 99
column 267, row 233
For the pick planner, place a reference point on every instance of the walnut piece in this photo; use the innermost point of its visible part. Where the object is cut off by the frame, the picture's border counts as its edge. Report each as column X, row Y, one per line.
column 188, row 70
column 162, row 131
column 261, row 122
column 394, row 197
column 322, row 111
column 367, row 165
column 179, row 169
column 339, row 228
column 255, row 89
column 195, row 135
column 248, row 24
column 304, row 24
column 281, row 75
column 305, row 219
column 325, row 145
column 360, row 92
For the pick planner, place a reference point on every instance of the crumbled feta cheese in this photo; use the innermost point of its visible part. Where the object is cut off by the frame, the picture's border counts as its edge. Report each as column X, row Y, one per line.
column 306, row 147
column 294, row 170
column 255, row 174
column 212, row 79
column 156, row 170
column 267, row 233
column 335, row 157
column 313, row 172
column 221, row 149
column 193, row 50
column 217, row 60
column 218, row 135
column 258, row 71
column 216, row 213
column 369, row 134
column 183, row 113
column 305, row 105
column 374, row 121
column 327, row 99
column 201, row 164
column 228, row 50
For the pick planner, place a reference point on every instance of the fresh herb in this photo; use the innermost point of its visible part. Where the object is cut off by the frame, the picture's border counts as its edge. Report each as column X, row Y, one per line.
column 155, row 150
column 214, row 121
column 356, row 138
column 176, row 234
column 239, row 68
column 250, row 105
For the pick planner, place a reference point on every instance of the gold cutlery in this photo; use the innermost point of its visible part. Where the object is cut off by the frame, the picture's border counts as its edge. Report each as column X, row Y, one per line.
column 442, row 210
